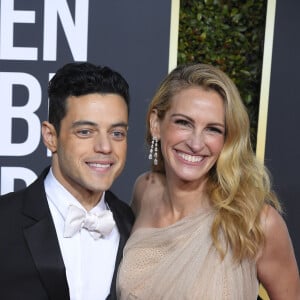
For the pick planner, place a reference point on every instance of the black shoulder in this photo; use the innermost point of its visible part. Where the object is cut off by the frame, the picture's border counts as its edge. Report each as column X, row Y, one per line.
column 120, row 209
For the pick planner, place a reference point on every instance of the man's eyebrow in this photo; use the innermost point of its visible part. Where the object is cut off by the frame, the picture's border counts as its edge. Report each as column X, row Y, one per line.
column 120, row 124
column 90, row 123
column 84, row 122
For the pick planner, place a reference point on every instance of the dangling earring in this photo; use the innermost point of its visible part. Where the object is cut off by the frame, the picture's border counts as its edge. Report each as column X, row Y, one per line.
column 153, row 151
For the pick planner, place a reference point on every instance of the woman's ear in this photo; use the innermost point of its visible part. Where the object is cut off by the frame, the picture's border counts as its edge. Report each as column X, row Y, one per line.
column 154, row 124
column 49, row 136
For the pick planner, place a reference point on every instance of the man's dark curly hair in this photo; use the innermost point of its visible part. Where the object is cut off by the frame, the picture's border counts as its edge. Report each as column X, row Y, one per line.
column 78, row 79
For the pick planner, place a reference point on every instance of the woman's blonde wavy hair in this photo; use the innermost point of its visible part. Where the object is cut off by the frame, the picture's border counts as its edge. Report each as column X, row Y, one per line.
column 239, row 185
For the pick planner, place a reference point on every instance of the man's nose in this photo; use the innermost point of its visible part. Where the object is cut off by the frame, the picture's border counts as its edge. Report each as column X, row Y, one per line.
column 103, row 143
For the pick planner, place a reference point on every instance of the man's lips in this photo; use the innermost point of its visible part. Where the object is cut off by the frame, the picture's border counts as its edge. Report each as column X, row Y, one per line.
column 102, row 165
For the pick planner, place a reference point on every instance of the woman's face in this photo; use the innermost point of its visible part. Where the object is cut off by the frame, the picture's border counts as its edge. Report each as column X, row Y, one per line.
column 191, row 134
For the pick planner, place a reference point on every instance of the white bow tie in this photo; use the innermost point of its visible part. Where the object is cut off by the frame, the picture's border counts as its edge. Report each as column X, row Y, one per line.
column 100, row 224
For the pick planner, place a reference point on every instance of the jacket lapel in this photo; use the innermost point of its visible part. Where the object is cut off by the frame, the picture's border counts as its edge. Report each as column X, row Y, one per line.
column 41, row 238
column 124, row 219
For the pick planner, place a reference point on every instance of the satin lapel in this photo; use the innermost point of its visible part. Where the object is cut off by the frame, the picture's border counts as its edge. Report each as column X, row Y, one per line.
column 113, row 291
column 124, row 220
column 42, row 241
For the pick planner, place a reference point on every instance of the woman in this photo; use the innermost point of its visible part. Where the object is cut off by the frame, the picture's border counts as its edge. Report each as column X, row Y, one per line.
column 207, row 223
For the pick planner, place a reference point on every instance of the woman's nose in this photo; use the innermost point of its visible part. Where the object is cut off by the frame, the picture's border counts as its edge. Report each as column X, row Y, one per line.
column 196, row 141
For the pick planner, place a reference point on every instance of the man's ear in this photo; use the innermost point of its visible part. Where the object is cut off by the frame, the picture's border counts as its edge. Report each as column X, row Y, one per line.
column 49, row 136
column 154, row 124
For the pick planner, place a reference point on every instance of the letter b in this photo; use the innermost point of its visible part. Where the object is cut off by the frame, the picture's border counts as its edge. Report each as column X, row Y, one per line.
column 27, row 112
column 10, row 174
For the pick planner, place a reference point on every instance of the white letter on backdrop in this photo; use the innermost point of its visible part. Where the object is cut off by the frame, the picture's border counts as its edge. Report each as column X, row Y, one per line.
column 9, row 174
column 9, row 16
column 76, row 32
column 26, row 112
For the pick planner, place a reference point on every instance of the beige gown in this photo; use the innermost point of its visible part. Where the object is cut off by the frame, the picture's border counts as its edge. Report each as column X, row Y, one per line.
column 178, row 262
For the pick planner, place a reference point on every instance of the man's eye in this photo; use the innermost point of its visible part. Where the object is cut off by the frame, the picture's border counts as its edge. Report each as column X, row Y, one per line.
column 119, row 134
column 84, row 132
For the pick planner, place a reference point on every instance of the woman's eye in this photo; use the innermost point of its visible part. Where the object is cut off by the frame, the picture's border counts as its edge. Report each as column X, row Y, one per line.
column 182, row 122
column 216, row 130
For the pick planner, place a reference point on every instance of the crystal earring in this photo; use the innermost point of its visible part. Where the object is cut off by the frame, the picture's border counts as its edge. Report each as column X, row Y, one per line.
column 153, row 150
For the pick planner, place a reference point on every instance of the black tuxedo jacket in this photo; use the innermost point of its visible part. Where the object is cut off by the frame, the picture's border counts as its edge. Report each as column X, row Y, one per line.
column 31, row 264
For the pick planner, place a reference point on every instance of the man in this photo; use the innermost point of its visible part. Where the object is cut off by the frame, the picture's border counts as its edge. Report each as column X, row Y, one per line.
column 63, row 236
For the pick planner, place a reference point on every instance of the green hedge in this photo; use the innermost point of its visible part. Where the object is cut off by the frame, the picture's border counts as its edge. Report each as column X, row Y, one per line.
column 230, row 35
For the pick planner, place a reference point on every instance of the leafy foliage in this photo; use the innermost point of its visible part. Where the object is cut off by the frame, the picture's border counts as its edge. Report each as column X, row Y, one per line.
column 228, row 34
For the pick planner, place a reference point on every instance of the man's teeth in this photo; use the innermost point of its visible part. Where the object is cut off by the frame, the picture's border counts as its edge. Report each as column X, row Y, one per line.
column 97, row 165
column 190, row 158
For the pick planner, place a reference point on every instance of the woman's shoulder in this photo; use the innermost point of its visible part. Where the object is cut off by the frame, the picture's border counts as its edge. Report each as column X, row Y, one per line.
column 271, row 219
column 147, row 187
column 276, row 264
column 273, row 223
column 153, row 179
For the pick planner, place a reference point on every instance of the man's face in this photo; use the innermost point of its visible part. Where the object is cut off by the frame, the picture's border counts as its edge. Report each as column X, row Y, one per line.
column 90, row 150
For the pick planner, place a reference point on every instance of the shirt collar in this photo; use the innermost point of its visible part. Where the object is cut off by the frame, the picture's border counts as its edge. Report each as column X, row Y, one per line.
column 62, row 198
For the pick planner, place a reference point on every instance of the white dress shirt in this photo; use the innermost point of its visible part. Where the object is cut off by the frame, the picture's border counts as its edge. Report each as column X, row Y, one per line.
column 89, row 263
